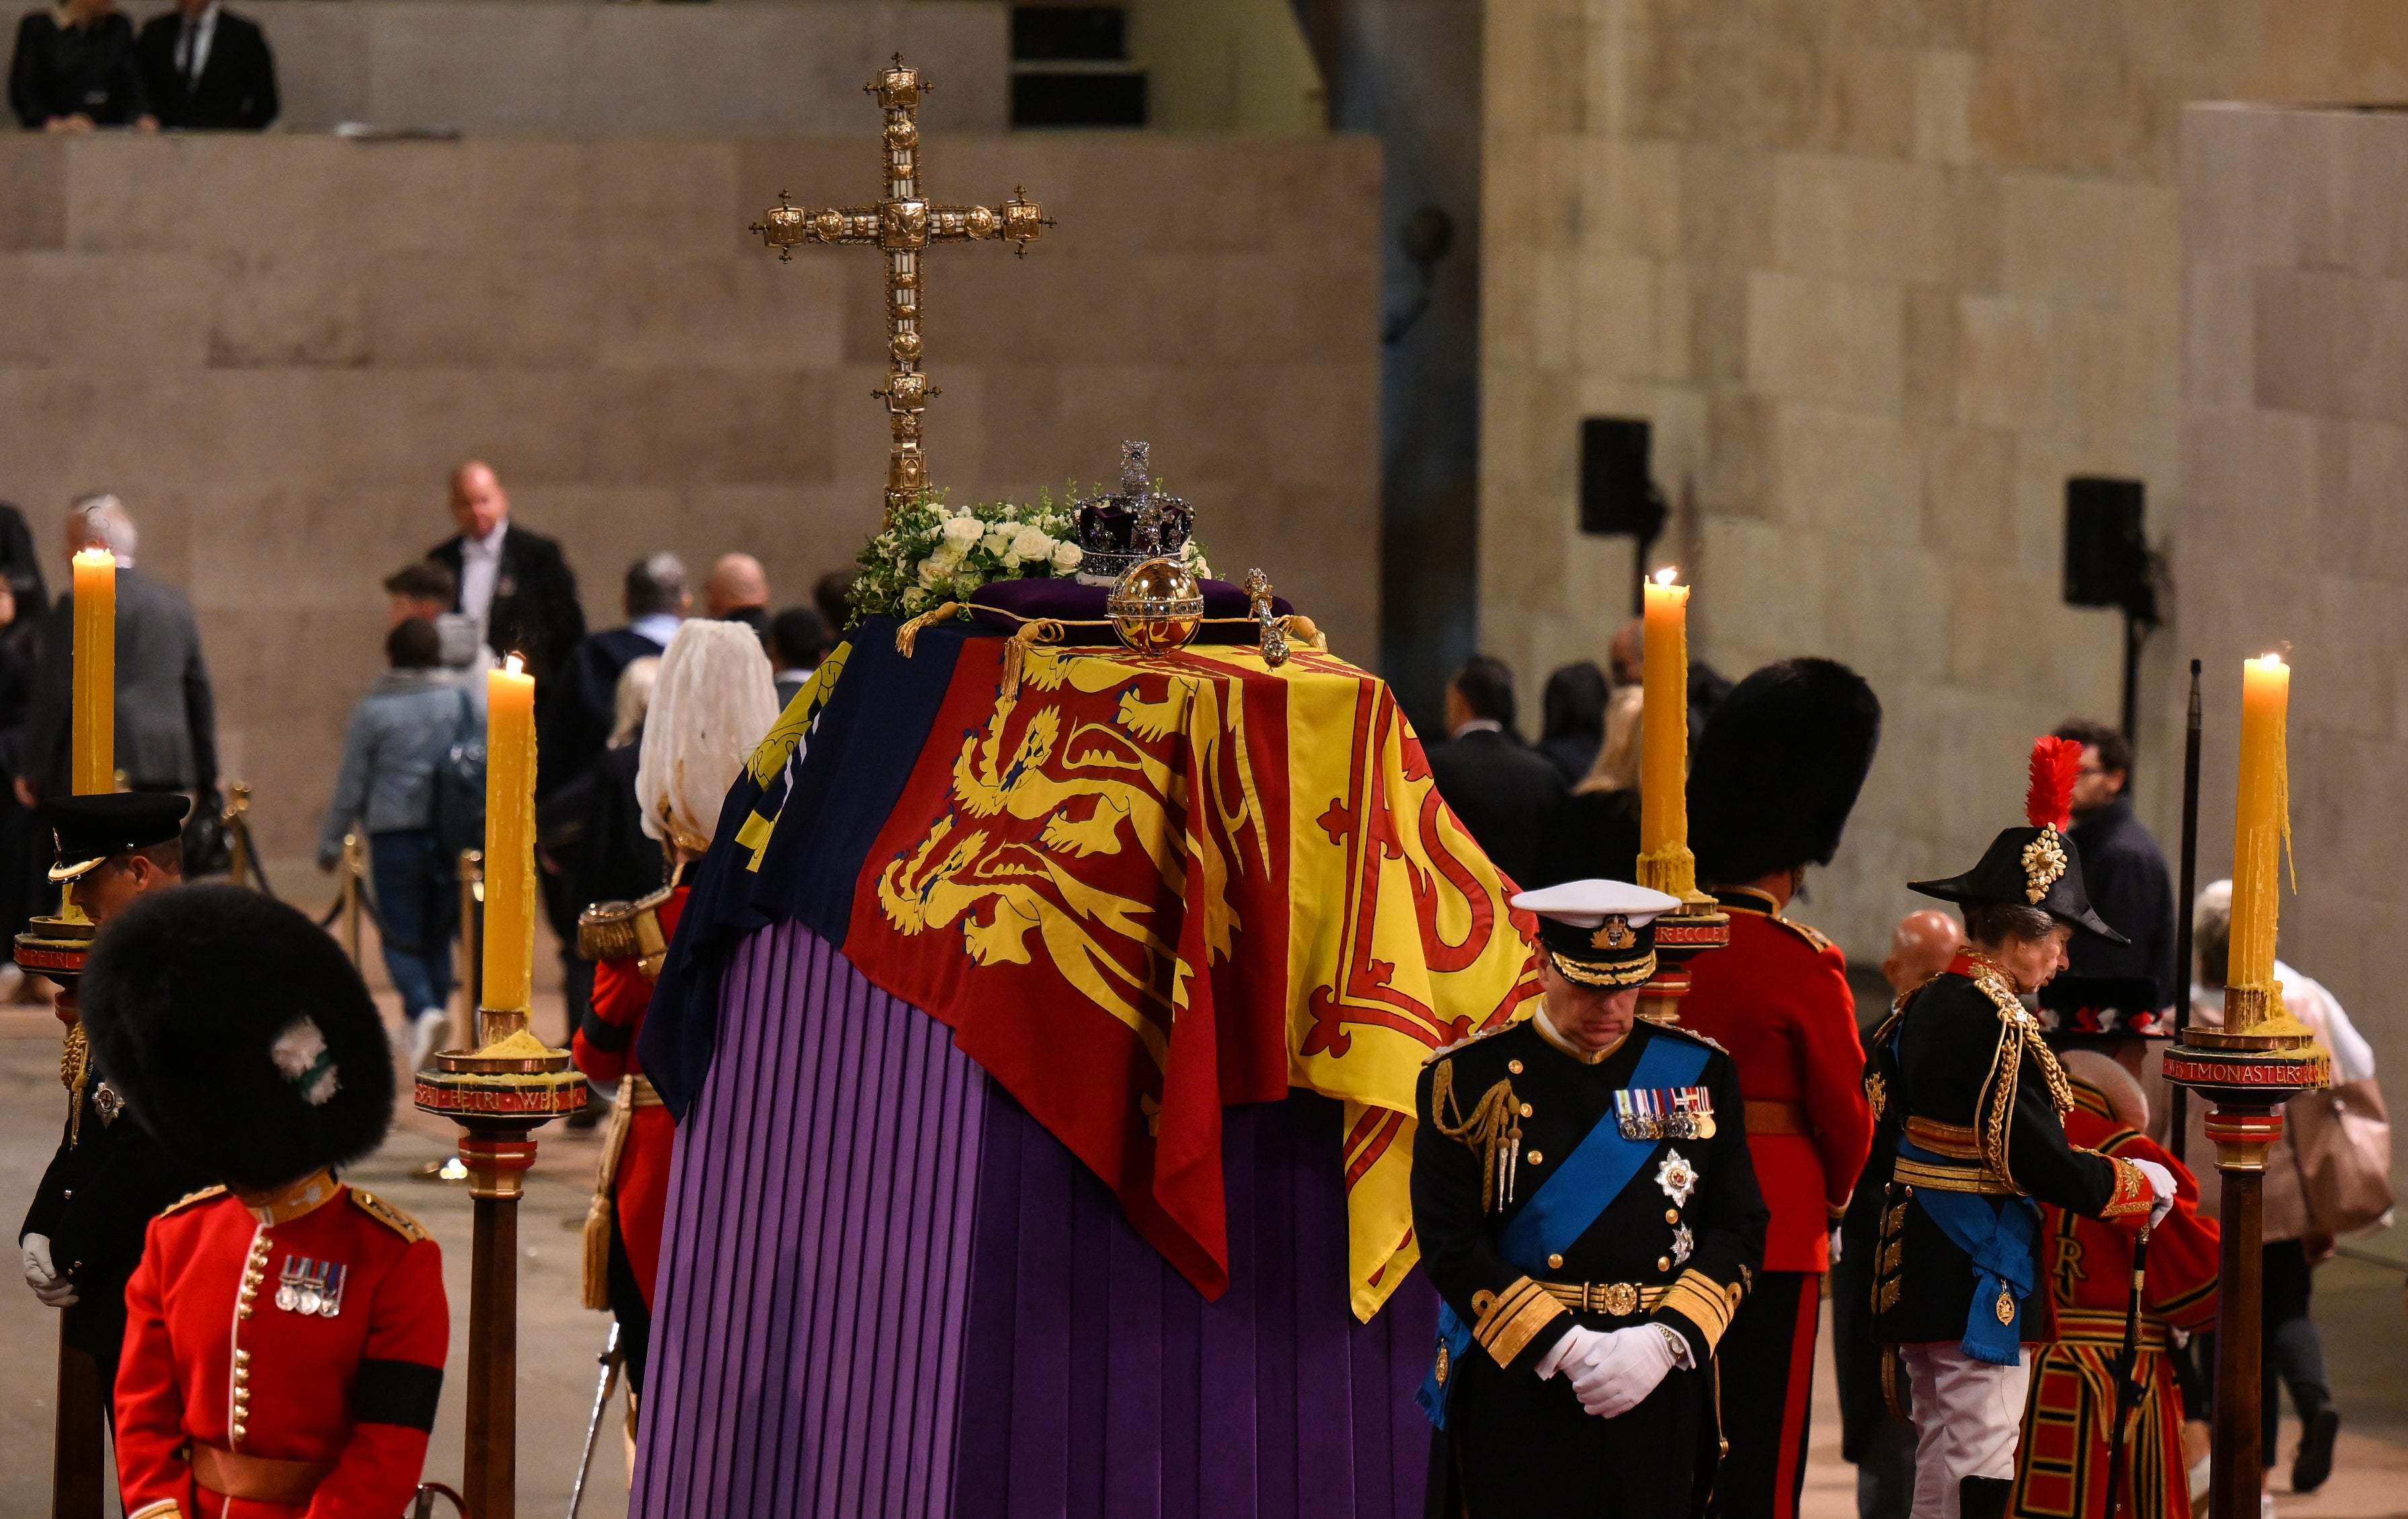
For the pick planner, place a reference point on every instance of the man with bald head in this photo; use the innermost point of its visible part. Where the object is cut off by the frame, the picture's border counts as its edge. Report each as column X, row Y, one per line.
column 515, row 584
column 739, row 591
column 1920, row 948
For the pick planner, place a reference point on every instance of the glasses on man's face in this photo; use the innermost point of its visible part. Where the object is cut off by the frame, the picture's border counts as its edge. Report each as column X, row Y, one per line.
column 2082, row 771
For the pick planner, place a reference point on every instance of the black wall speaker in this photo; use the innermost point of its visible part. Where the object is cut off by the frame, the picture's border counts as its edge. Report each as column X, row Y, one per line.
column 1617, row 494
column 2106, row 553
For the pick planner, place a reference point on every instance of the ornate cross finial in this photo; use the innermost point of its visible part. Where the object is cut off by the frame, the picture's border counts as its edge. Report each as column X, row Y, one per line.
column 901, row 225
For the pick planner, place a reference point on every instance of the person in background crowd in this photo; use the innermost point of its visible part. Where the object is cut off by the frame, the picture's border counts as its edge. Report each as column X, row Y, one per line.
column 1597, row 831
column 712, row 703
column 209, row 69
column 1770, row 787
column 1507, row 798
column 618, row 861
column 24, row 847
column 515, row 585
column 2099, row 1030
column 828, row 595
column 1572, row 722
column 75, row 68
column 167, row 717
column 426, row 590
column 656, row 601
column 1627, row 654
column 2295, row 1199
column 739, row 591
column 109, row 1177
column 2127, row 875
column 398, row 734
column 798, row 640
column 1879, row 1446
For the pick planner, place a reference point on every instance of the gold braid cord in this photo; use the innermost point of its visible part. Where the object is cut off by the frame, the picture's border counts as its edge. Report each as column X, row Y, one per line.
column 1494, row 1129
column 75, row 1070
column 1993, row 1111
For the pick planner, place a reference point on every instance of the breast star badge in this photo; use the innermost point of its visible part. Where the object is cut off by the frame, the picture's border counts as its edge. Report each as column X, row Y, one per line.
column 1677, row 1177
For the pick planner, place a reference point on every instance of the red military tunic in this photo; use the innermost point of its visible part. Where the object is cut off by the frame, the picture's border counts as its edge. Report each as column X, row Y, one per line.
column 2061, row 1461
column 227, row 1387
column 605, row 1048
column 1777, row 998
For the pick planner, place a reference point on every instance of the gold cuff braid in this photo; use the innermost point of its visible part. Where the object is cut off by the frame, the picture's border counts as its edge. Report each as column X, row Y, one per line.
column 1705, row 1304
column 1507, row 1320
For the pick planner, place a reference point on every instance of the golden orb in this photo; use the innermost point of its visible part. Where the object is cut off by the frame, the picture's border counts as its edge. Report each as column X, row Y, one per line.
column 1156, row 607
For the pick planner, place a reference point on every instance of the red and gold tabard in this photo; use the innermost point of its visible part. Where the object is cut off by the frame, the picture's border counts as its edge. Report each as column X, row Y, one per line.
column 281, row 1358
column 1777, row 998
column 634, row 1179
column 2085, row 1266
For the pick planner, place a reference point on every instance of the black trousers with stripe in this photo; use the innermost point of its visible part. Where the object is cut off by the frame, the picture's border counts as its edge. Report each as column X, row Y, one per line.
column 1767, row 1361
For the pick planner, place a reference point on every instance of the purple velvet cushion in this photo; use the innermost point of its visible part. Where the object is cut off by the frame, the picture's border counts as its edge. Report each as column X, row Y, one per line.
column 1004, row 605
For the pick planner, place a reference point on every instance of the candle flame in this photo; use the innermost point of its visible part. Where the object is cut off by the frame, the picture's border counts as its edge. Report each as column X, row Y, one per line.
column 514, row 665
column 1666, row 575
column 2269, row 661
column 96, row 554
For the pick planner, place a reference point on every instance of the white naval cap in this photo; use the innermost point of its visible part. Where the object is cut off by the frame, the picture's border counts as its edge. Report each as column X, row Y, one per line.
column 1585, row 904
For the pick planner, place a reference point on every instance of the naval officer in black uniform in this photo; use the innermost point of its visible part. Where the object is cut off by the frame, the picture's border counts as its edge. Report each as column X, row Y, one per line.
column 82, row 1236
column 1586, row 1208
column 1972, row 1110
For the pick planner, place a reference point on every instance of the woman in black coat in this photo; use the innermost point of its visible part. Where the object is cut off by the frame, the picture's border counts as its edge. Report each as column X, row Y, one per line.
column 75, row 68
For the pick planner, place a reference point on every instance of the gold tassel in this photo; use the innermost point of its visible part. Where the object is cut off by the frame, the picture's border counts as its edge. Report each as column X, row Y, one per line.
column 1297, row 625
column 1015, row 650
column 908, row 634
column 598, row 1250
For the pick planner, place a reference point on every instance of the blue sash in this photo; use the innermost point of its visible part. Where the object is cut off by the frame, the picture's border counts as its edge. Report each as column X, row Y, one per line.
column 1580, row 1191
column 1997, row 1233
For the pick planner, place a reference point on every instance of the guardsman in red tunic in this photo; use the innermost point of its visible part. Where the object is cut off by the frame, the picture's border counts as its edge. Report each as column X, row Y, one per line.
column 1776, row 774
column 712, row 704
column 285, row 1333
column 2098, row 1028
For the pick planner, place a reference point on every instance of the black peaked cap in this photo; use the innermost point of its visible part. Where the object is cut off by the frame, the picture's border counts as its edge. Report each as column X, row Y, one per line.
column 86, row 830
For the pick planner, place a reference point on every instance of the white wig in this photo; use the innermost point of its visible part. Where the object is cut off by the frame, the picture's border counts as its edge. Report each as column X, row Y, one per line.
column 712, row 703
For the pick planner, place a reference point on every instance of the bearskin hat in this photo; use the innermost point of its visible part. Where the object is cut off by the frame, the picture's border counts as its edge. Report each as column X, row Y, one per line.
column 1778, row 768
column 240, row 1037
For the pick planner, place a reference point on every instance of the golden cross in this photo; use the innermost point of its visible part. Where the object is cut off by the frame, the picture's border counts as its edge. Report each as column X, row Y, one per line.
column 901, row 224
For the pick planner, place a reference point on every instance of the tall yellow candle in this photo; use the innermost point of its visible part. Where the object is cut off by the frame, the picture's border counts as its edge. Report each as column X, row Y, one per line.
column 1664, row 718
column 509, row 839
column 92, row 755
column 2261, row 823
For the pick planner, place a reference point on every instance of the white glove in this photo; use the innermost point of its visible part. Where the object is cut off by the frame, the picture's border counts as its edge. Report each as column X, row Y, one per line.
column 1835, row 1244
column 2161, row 1182
column 1633, row 1362
column 53, row 1289
column 1573, row 1352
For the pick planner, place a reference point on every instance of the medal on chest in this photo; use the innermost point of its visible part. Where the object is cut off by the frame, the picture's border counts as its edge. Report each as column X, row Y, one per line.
column 1674, row 1112
column 1677, row 1178
column 311, row 1288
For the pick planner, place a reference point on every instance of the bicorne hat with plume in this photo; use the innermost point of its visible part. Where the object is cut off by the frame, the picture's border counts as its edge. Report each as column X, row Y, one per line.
column 2035, row 866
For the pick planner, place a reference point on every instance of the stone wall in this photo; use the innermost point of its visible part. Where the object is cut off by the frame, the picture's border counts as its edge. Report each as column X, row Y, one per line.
column 577, row 68
column 275, row 348
column 1883, row 276
column 2294, row 459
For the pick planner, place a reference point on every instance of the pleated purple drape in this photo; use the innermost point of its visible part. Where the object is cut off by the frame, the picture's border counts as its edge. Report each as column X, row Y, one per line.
column 886, row 1290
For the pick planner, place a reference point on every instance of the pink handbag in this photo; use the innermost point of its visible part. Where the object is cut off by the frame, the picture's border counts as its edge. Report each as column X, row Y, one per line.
column 2342, row 1140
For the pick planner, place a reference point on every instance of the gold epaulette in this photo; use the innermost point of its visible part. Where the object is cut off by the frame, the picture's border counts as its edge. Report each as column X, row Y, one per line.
column 191, row 1198
column 626, row 930
column 387, row 1214
column 1813, row 936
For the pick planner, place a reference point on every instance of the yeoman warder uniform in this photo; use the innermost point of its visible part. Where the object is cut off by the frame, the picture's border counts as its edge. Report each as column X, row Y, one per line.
column 109, row 1179
column 1591, row 1220
column 1981, row 1143
column 1775, row 775
column 285, row 1332
column 2064, row 1457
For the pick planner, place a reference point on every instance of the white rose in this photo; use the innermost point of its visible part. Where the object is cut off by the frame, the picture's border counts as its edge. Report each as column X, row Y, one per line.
column 963, row 531
column 1201, row 570
column 997, row 542
column 1187, row 551
column 914, row 599
column 1032, row 543
column 932, row 569
column 1066, row 557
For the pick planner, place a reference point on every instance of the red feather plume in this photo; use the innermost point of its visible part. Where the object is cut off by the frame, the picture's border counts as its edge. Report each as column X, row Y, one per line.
column 2049, row 803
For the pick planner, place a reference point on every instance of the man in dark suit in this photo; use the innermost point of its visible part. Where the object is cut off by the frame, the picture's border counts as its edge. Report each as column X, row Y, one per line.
column 516, row 584
column 166, row 716
column 656, row 600
column 209, row 69
column 2127, row 876
column 1506, row 794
